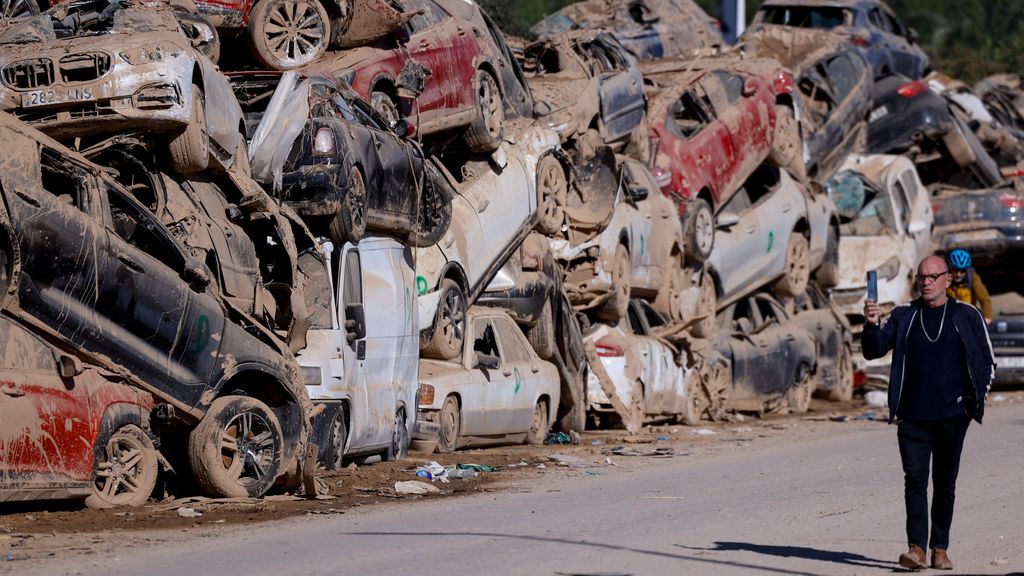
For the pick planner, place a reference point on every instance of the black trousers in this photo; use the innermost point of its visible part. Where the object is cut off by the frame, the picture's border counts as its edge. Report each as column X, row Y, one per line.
column 938, row 441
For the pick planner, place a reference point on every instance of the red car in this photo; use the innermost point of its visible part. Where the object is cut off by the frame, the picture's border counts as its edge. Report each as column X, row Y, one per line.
column 711, row 126
column 66, row 431
column 447, row 68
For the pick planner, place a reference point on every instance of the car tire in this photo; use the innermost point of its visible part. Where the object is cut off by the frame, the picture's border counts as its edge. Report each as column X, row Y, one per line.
column 450, row 426
column 787, row 146
column 332, row 453
column 292, row 48
column 190, row 148
column 622, row 274
column 707, row 302
column 449, row 327
column 694, row 406
column 485, row 133
column 698, row 230
column 827, row 275
column 18, row 10
column 398, row 449
column 126, row 471
column 434, row 215
column 349, row 224
column 214, row 449
column 382, row 103
column 542, row 335
column 669, row 300
column 798, row 398
column 843, row 390
column 552, row 193
column 797, row 271
column 575, row 420
column 538, row 425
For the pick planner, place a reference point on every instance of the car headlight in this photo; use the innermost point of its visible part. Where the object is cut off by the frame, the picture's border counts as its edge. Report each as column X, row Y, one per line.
column 560, row 120
column 890, row 269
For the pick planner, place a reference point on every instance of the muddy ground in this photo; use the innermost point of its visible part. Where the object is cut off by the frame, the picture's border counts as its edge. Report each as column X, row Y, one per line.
column 39, row 533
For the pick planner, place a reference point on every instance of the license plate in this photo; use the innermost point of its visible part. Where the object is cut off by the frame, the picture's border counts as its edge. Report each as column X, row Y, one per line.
column 960, row 237
column 1010, row 361
column 56, row 96
column 878, row 113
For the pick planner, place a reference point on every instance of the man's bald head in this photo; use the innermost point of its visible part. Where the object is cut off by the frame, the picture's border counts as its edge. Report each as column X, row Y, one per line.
column 932, row 265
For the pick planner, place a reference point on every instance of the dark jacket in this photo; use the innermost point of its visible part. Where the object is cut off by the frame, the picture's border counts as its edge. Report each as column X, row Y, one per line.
column 876, row 341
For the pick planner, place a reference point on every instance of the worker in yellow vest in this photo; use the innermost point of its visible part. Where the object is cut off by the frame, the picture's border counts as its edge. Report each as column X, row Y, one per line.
column 967, row 285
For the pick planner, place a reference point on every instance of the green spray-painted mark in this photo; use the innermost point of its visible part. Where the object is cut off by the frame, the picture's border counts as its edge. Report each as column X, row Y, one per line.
column 421, row 285
column 771, row 240
column 202, row 335
column 650, row 357
column 643, row 244
column 519, row 380
column 408, row 305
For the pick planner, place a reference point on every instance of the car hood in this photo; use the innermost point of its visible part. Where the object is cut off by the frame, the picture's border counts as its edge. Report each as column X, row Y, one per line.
column 283, row 121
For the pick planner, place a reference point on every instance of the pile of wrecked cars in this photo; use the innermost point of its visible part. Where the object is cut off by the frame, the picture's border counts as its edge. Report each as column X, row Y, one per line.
column 380, row 226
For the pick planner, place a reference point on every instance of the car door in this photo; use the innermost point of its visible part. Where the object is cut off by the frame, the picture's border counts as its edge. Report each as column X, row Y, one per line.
column 640, row 220
column 818, row 106
column 518, row 357
column 754, row 348
column 48, row 429
column 905, row 57
column 637, row 30
column 649, row 355
column 488, row 403
column 775, row 335
column 701, row 148
column 919, row 208
column 742, row 114
column 621, row 87
column 740, row 248
column 665, row 387
column 449, row 48
column 844, row 72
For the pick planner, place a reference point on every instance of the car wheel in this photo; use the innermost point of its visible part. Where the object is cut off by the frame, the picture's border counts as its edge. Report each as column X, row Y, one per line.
column 669, row 301
column 399, row 447
column 798, row 398
column 451, row 426
column 707, row 302
column 539, row 425
column 797, row 267
column 11, row 10
column 332, row 454
column 449, row 323
column 435, row 212
column 484, row 134
column 236, row 449
column 843, row 390
column 385, row 106
column 542, row 335
column 698, row 230
column 828, row 273
column 349, row 224
column 717, row 388
column 286, row 34
column 552, row 192
column 575, row 420
column 622, row 274
column 787, row 147
column 190, row 148
column 125, row 472
column 695, row 401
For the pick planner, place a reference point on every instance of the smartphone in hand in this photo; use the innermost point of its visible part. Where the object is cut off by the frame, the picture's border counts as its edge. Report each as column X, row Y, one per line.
column 872, row 285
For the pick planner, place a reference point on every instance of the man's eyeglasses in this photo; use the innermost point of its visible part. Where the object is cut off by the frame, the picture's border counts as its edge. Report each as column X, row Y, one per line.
column 926, row 278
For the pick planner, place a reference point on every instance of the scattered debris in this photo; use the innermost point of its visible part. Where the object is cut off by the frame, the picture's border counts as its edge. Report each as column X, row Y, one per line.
column 186, row 512
column 703, row 432
column 1000, row 562
column 564, row 459
column 416, row 487
column 559, row 438
column 877, row 398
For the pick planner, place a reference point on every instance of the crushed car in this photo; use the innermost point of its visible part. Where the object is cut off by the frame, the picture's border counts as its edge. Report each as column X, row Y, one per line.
column 67, row 429
column 986, row 222
column 1006, row 332
column 499, row 391
column 649, row 29
column 174, row 319
column 94, row 67
column 870, row 25
column 324, row 151
column 588, row 86
column 833, row 339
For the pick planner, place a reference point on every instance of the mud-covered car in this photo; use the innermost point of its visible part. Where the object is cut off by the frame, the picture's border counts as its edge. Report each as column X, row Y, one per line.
column 870, row 25
column 589, row 85
column 66, row 430
column 15, row 10
column 499, row 391
column 886, row 223
column 772, row 232
column 833, row 340
column 285, row 34
column 448, row 69
column 985, row 222
column 498, row 199
column 1004, row 98
column 647, row 28
column 95, row 67
column 1007, row 335
column 330, row 157
column 91, row 265
column 712, row 123
column 773, row 357
column 834, row 83
column 937, row 133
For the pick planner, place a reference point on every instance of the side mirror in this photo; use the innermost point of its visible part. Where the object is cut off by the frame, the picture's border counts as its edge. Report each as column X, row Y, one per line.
column 749, row 88
column 481, row 360
column 355, row 322
column 727, row 220
column 69, row 366
column 196, row 274
column 404, row 128
column 912, row 35
column 638, row 193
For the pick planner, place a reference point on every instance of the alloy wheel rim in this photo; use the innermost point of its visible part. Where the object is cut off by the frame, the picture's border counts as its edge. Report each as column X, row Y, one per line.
column 247, row 445
column 294, row 31
column 117, row 476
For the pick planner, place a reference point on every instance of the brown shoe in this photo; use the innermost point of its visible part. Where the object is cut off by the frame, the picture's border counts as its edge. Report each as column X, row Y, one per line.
column 940, row 561
column 914, row 558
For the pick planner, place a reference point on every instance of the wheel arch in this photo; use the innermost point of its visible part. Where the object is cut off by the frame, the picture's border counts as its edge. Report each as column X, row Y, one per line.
column 268, row 385
column 116, row 416
column 705, row 194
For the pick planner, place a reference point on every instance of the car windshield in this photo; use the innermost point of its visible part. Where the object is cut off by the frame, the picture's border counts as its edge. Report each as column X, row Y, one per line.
column 70, row 19
column 821, row 17
column 863, row 209
column 553, row 25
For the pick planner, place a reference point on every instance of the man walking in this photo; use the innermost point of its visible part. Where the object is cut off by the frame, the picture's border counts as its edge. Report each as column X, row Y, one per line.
column 942, row 366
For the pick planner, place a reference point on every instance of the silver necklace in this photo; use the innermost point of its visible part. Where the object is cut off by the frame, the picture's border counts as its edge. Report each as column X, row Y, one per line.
column 941, row 323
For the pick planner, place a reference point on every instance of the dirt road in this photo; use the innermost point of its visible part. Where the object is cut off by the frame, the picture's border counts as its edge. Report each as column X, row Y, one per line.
column 783, row 496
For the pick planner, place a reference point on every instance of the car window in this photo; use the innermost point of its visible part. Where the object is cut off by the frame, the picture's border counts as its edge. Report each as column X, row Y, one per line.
column 352, row 284
column 511, row 344
column 654, row 319
column 636, row 323
column 66, row 182
column 842, row 75
column 879, row 21
column 822, row 17
column 639, row 177
column 739, row 203
column 732, row 83
column 365, row 115
column 640, row 13
column 687, row 116
column 485, row 341
column 819, row 102
column 745, row 309
column 909, row 183
column 761, row 184
column 136, row 226
column 900, row 198
column 895, row 26
column 22, row 351
column 430, row 15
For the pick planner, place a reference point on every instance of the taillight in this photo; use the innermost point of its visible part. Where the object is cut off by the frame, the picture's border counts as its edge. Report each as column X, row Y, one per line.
column 323, row 142
column 1011, row 201
column 859, row 378
column 606, row 349
column 1012, row 172
column 784, row 83
column 936, row 206
column 860, row 41
column 911, row 89
column 426, row 394
column 663, row 178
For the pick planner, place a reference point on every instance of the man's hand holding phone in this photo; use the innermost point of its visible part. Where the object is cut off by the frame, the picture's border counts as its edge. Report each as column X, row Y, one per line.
column 872, row 311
